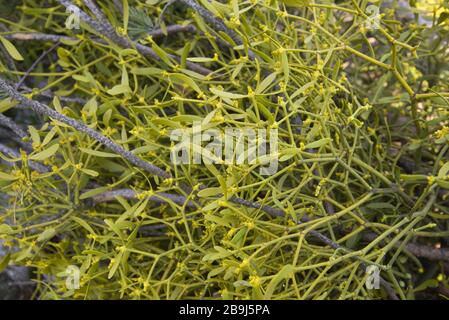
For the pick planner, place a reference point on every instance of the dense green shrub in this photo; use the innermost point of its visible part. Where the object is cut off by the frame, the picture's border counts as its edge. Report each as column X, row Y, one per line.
column 360, row 108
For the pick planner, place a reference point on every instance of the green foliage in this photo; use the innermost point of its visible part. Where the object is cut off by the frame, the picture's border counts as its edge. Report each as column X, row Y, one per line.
column 363, row 143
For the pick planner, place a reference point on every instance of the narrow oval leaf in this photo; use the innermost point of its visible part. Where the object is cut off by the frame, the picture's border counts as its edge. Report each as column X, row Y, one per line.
column 5, row 229
column 93, row 192
column 47, row 234
column 119, row 89
column 209, row 192
column 89, row 172
column 13, row 52
column 284, row 273
column 47, row 153
column 5, row 261
column 444, row 170
column 266, row 82
column 100, row 154
column 318, row 143
column 7, row 177
column 228, row 95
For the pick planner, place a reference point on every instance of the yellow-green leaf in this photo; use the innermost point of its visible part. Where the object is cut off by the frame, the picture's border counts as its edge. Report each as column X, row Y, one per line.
column 90, row 172
column 318, row 143
column 5, row 229
column 116, row 262
column 228, row 95
column 443, row 184
column 84, row 224
column 295, row 3
column 5, row 261
column 150, row 71
column 443, row 171
column 284, row 273
column 209, row 192
column 13, row 52
column 125, row 15
column 47, row 153
column 161, row 54
column 7, row 177
column 93, row 192
column 47, row 234
column 70, row 42
column 266, row 82
column 99, row 153
column 119, row 89
column 285, row 66
column 200, row 59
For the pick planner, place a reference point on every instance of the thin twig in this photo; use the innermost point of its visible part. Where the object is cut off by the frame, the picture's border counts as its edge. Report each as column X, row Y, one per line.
column 35, row 63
